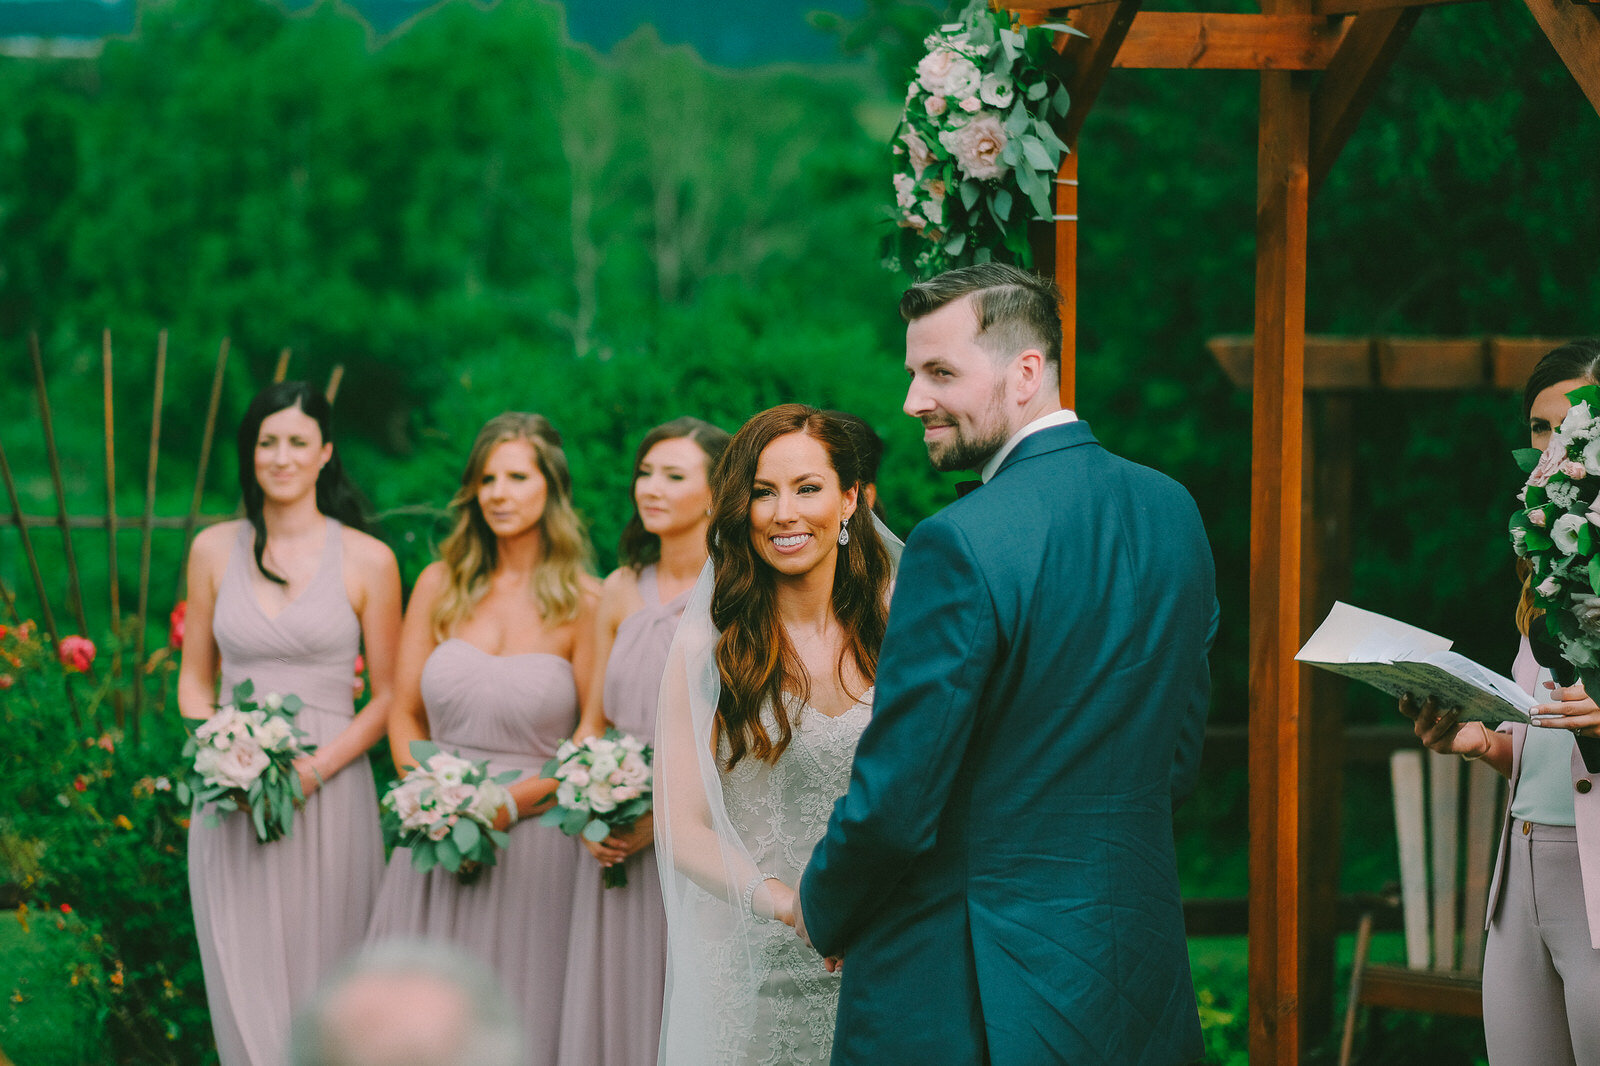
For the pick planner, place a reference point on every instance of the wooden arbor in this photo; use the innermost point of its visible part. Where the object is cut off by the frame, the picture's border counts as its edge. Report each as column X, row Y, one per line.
column 1305, row 119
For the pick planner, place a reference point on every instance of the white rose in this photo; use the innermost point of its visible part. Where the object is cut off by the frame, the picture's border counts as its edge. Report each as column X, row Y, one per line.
column 603, row 771
column 566, row 794
column 449, row 769
column 578, row 777
column 205, row 764
column 905, row 191
column 1565, row 532
column 996, row 91
column 600, row 799
column 977, row 146
column 455, row 797
column 242, row 763
column 1549, row 587
column 407, row 804
column 1579, row 421
column 935, row 191
column 943, row 72
column 220, row 727
column 921, row 155
column 272, row 701
column 275, row 734
column 1591, row 457
column 491, row 797
column 935, row 106
column 634, row 770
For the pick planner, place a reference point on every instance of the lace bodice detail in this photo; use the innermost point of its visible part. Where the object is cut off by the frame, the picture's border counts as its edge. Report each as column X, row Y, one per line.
column 781, row 811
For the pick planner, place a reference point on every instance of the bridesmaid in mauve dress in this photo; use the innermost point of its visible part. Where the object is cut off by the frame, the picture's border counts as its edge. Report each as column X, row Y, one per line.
column 495, row 653
column 616, row 964
column 284, row 598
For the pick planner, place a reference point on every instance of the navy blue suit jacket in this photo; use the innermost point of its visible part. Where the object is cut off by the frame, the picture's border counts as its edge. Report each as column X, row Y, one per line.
column 1000, row 877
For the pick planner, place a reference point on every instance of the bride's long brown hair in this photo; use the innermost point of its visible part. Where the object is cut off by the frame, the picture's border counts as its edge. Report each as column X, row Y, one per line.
column 757, row 662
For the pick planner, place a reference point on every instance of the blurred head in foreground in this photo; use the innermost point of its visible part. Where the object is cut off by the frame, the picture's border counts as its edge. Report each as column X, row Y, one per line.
column 408, row 1003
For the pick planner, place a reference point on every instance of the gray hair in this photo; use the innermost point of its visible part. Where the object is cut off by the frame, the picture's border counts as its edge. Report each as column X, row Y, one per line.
column 1016, row 310
column 408, row 1003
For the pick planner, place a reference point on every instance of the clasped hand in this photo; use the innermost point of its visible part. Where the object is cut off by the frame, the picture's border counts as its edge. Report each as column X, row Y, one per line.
column 786, row 908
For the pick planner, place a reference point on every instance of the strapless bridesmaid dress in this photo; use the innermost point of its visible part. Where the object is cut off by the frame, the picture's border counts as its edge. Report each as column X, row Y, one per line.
column 512, row 710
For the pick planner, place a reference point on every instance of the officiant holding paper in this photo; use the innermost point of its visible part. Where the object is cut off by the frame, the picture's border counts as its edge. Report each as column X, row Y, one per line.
column 1541, row 969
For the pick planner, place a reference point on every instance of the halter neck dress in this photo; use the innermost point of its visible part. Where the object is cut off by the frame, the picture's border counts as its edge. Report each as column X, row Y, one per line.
column 617, row 959
column 273, row 919
column 512, row 710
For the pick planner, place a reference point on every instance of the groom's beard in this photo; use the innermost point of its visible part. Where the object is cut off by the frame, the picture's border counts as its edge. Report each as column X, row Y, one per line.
column 960, row 451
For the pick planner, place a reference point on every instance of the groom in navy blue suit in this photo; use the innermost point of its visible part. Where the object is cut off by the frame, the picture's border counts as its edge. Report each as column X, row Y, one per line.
column 1000, row 878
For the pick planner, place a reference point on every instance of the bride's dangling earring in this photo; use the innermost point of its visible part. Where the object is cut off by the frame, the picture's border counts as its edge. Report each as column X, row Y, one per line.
column 844, row 535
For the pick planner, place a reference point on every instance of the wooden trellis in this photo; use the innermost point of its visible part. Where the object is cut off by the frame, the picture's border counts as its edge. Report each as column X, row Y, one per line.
column 1305, row 119
column 127, row 697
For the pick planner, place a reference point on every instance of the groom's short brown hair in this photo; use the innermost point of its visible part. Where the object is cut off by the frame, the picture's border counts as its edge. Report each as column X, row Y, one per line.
column 1016, row 310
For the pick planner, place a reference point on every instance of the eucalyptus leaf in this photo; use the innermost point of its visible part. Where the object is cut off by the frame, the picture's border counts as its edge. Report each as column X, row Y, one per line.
column 983, row 255
column 1011, row 154
column 506, row 777
column 293, row 703
column 449, row 855
column 596, row 831
column 1594, row 575
column 970, row 191
column 258, row 815
column 1037, row 156
column 1002, row 204
column 1061, row 102
column 1048, row 137
column 1527, row 458
column 423, row 750
column 1585, row 540
column 499, row 837
column 956, row 242
column 1538, row 540
column 1017, row 120
column 573, row 821
column 243, row 690
column 554, row 816
column 1037, row 90
column 466, row 835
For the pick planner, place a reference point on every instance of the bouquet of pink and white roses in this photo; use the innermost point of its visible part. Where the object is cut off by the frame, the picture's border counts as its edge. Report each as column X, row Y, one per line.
column 605, row 787
column 242, row 759
column 1555, row 530
column 444, row 811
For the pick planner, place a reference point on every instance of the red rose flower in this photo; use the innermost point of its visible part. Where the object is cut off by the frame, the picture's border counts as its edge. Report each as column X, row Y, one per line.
column 77, row 653
column 175, row 639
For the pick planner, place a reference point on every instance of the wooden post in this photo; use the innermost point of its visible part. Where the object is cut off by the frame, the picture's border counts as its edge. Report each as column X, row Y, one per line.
column 281, row 372
column 193, row 517
column 146, row 525
column 1067, row 272
column 118, row 710
column 1275, row 507
column 74, row 585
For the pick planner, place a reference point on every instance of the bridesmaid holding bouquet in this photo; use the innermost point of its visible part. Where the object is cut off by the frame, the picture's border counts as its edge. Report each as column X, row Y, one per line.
column 284, row 598
column 616, row 968
column 495, row 655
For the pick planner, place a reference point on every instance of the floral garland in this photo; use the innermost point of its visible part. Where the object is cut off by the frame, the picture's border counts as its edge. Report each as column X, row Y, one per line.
column 975, row 141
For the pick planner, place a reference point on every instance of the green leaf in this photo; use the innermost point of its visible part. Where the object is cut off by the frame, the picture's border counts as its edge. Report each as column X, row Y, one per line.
column 293, row 703
column 1585, row 540
column 1594, row 575
column 1011, row 154
column 1538, row 540
column 1036, row 155
column 1002, row 204
column 423, row 859
column 1061, row 102
column 500, row 837
column 243, row 690
column 970, row 191
column 1037, row 90
column 1536, row 496
column 596, row 831
column 1527, row 458
column 983, row 255
column 553, row 816
column 423, row 750
column 258, row 814
column 449, row 855
column 956, row 242
column 506, row 777
column 573, row 821
column 1048, row 138
column 1017, row 122
column 466, row 835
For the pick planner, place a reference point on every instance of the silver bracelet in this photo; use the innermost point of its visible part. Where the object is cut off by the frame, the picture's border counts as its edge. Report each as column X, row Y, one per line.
column 750, row 891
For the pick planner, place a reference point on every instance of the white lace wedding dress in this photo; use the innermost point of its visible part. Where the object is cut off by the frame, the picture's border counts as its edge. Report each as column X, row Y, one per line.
column 780, row 812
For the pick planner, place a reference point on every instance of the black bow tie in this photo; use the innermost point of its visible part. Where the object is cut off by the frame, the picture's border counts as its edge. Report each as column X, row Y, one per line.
column 964, row 487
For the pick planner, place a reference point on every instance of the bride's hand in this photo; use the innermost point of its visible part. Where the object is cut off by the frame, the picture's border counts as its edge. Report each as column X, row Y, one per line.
column 780, row 898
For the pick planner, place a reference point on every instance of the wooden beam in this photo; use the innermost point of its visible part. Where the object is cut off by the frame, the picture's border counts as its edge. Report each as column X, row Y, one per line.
column 1355, row 364
column 1282, row 192
column 1370, row 44
column 1357, row 7
column 1188, row 40
column 1574, row 30
column 1089, row 58
column 1066, row 256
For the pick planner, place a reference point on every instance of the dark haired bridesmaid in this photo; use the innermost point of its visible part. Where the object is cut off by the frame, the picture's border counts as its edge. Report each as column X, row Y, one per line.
column 616, row 961
column 285, row 598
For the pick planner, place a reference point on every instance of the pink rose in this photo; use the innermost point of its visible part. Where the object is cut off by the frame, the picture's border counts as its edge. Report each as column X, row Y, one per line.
column 1573, row 469
column 1537, row 517
column 77, row 653
column 624, row 793
column 441, row 829
column 977, row 146
column 242, row 763
column 1549, row 463
column 921, row 156
column 971, row 105
column 935, row 106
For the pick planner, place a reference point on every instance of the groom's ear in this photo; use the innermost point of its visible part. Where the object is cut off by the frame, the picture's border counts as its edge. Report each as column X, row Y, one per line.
column 1030, row 372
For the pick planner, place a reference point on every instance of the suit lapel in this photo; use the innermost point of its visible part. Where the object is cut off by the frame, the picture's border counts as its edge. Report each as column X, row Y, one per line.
column 1054, row 439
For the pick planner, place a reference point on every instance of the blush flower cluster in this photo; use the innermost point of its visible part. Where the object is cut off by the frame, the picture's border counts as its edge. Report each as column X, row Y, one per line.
column 242, row 759
column 444, row 811
column 605, row 786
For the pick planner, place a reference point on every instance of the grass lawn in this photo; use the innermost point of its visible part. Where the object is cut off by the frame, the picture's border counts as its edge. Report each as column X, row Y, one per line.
column 45, row 1020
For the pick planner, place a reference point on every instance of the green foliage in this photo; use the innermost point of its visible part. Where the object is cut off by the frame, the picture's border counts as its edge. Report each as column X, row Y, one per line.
column 92, row 843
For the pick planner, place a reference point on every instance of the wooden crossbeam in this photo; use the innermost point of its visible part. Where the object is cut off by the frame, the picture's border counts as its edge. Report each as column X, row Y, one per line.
column 1364, row 57
column 1574, row 30
column 1358, row 7
column 1353, row 364
column 1090, row 58
column 1188, row 40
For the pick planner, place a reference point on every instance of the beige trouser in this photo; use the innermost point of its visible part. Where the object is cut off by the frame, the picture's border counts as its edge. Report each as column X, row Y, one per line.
column 1541, row 979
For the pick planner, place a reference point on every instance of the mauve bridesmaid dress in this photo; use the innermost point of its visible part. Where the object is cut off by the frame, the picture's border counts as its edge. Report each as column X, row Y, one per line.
column 512, row 710
column 272, row 919
column 617, row 960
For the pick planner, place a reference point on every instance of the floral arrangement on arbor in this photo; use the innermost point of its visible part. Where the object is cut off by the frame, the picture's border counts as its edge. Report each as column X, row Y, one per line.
column 1557, row 530
column 976, row 155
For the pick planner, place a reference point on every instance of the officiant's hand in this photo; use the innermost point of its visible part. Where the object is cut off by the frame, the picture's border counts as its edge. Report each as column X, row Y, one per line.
column 1571, row 709
column 1443, row 731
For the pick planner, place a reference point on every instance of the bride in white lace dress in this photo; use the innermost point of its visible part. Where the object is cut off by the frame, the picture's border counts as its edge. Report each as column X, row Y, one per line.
column 767, row 690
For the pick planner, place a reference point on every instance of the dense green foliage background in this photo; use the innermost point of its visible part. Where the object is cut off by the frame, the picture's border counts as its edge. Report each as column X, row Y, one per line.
column 476, row 215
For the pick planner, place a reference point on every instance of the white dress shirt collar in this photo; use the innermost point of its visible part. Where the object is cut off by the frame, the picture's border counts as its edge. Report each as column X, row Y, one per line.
column 1054, row 418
